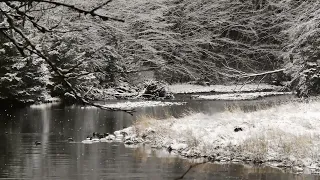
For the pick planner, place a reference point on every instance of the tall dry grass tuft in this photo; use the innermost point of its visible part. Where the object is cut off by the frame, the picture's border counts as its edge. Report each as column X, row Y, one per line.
column 190, row 138
column 233, row 108
column 296, row 146
column 143, row 122
column 275, row 144
column 255, row 147
column 289, row 145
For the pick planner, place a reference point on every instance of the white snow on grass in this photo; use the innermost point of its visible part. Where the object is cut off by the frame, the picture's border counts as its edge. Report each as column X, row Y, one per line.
column 239, row 96
column 138, row 104
column 191, row 88
column 285, row 135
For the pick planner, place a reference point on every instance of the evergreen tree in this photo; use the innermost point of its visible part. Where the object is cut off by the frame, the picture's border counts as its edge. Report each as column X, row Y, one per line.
column 21, row 79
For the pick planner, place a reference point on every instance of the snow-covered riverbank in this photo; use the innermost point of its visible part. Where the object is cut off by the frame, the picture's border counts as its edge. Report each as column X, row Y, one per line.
column 239, row 96
column 139, row 104
column 122, row 105
column 192, row 88
column 283, row 136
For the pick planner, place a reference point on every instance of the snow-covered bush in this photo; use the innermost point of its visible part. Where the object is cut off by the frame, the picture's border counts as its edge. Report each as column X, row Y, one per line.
column 21, row 79
column 303, row 52
column 156, row 90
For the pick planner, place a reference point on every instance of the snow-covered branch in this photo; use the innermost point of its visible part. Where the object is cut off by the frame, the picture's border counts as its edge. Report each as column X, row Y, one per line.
column 74, row 8
column 260, row 74
column 26, row 47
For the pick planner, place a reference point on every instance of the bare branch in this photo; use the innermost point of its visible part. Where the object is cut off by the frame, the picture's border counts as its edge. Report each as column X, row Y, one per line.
column 261, row 74
column 36, row 24
column 15, row 42
column 55, row 26
column 72, row 76
column 77, row 65
column 82, row 11
column 98, row 7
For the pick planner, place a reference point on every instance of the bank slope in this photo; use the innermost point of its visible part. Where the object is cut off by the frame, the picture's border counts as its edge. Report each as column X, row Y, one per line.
column 285, row 136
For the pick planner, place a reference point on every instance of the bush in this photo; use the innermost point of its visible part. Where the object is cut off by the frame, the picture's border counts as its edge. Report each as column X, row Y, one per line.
column 21, row 79
column 302, row 48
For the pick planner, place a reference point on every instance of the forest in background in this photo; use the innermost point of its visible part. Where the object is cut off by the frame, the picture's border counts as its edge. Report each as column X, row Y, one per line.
column 179, row 40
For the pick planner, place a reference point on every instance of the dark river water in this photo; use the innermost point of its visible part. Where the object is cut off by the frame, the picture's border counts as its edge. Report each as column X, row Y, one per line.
column 56, row 158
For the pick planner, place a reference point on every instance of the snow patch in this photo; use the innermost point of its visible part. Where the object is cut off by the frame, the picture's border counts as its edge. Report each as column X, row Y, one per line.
column 239, row 96
column 179, row 146
column 44, row 105
column 285, row 136
column 139, row 104
column 191, row 88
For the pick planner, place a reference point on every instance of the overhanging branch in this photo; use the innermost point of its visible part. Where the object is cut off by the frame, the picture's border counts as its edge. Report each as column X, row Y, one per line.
column 73, row 7
column 260, row 74
column 33, row 50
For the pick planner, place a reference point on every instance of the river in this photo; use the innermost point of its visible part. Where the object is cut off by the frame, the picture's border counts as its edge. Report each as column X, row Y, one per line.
column 56, row 158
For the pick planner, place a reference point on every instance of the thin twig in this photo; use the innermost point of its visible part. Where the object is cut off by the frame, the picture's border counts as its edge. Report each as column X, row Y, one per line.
column 261, row 74
column 36, row 24
column 85, row 12
column 98, row 7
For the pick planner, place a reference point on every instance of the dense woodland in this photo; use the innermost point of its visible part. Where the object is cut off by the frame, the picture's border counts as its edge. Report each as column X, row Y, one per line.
column 77, row 49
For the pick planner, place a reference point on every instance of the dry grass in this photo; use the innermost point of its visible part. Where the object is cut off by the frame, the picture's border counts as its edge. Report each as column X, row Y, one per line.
column 244, row 106
column 255, row 147
column 286, row 133
column 232, row 108
column 143, row 122
column 297, row 146
column 289, row 145
column 191, row 139
column 278, row 145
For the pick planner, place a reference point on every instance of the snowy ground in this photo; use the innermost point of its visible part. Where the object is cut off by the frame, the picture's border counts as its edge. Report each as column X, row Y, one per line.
column 121, row 105
column 283, row 136
column 138, row 104
column 48, row 98
column 191, row 88
column 239, row 96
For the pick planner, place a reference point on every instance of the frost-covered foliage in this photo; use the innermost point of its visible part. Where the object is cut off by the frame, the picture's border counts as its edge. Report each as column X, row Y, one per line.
column 72, row 58
column 243, row 35
column 81, row 47
column 205, row 40
column 156, row 90
column 268, row 135
column 307, row 79
column 303, row 50
column 213, row 40
column 21, row 79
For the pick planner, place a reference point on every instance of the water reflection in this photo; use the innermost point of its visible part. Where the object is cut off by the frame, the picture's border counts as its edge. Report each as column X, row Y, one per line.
column 20, row 158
